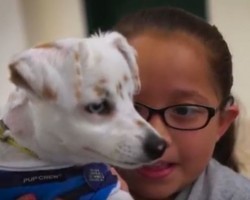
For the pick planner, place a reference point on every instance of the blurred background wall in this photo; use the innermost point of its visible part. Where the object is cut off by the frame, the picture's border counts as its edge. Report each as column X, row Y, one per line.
column 24, row 23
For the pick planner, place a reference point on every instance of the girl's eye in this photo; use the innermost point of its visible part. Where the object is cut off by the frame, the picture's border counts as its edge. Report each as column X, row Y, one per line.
column 98, row 108
column 185, row 110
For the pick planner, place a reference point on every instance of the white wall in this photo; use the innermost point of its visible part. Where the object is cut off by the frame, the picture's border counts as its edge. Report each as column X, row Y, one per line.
column 12, row 39
column 232, row 17
column 48, row 20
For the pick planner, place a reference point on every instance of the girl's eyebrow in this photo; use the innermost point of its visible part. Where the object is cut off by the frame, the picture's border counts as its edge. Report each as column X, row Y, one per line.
column 187, row 93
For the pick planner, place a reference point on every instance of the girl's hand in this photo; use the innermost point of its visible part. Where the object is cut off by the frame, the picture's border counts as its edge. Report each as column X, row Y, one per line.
column 124, row 185
column 30, row 197
column 27, row 197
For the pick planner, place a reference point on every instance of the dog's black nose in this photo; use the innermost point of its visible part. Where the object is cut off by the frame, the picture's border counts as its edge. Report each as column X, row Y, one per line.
column 154, row 146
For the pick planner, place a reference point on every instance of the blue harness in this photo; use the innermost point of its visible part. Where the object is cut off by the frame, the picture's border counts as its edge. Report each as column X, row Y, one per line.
column 90, row 182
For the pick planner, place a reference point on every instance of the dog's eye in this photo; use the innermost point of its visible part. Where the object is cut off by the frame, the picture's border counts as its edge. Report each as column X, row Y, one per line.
column 99, row 108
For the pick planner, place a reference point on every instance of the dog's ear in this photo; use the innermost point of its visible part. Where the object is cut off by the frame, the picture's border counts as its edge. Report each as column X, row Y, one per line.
column 30, row 72
column 129, row 53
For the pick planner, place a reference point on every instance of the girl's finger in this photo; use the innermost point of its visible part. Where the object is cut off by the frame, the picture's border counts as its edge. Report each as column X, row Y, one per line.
column 124, row 185
column 27, row 197
column 30, row 197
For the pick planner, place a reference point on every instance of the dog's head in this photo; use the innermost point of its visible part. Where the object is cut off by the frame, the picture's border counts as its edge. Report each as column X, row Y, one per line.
column 81, row 93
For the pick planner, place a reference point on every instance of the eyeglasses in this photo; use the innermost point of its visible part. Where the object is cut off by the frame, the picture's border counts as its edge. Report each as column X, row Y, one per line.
column 182, row 116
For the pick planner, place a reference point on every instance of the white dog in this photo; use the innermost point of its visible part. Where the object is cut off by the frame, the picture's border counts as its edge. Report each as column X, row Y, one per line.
column 73, row 105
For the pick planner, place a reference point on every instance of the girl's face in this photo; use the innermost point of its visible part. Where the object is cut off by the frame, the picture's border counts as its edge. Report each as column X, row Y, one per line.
column 174, row 69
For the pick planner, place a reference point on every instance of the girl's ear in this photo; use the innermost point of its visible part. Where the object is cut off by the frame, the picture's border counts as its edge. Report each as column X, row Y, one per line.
column 227, row 117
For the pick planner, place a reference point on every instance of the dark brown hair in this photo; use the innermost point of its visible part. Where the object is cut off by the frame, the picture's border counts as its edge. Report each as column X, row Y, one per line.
column 167, row 19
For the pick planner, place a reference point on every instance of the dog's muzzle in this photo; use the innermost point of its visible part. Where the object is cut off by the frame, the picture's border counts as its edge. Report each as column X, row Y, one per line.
column 154, row 146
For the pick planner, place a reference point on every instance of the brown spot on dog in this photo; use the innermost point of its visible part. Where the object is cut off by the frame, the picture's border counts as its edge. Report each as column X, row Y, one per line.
column 125, row 78
column 119, row 89
column 77, row 56
column 17, row 78
column 46, row 45
column 103, row 81
column 48, row 93
column 139, row 123
column 99, row 91
column 78, row 84
column 78, row 78
column 78, row 93
column 78, row 71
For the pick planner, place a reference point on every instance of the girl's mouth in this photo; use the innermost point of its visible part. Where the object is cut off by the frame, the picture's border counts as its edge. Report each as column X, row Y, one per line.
column 158, row 170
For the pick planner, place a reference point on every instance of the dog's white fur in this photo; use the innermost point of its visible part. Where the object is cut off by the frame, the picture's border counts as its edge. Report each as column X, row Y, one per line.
column 73, row 105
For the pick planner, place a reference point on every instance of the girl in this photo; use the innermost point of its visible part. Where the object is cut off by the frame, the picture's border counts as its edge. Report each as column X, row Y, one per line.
column 186, row 73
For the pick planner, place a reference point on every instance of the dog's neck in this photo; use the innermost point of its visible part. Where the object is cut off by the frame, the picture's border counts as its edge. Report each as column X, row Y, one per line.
column 14, row 157
column 7, row 139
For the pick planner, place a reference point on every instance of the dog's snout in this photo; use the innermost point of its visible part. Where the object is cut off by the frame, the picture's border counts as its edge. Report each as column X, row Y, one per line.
column 154, row 146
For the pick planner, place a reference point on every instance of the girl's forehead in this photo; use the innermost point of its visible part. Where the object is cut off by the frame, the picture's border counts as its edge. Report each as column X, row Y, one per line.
column 163, row 38
column 176, row 53
column 177, row 62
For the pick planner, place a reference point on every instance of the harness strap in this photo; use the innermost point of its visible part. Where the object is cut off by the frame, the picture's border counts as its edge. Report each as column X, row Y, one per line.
column 11, row 141
column 90, row 182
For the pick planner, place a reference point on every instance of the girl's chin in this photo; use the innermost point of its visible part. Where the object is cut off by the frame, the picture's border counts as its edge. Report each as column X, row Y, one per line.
column 154, row 193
